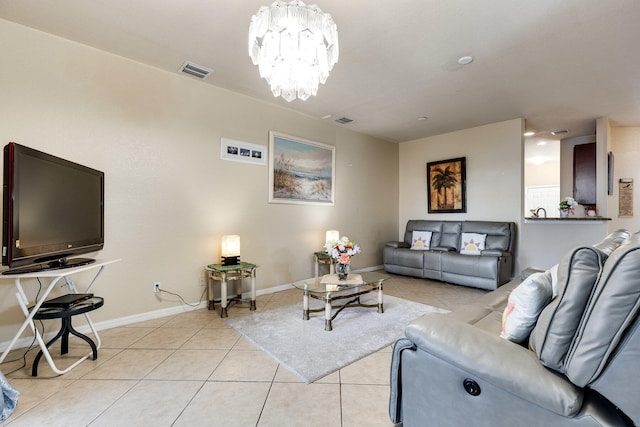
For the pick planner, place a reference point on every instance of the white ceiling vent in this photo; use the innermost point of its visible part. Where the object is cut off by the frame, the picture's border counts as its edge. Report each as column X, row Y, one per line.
column 195, row 70
column 343, row 120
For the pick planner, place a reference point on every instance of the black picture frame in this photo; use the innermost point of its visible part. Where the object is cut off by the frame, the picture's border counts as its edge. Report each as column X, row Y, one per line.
column 609, row 173
column 447, row 186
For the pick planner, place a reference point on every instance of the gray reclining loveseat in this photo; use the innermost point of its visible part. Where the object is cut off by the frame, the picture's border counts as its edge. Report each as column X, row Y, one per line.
column 492, row 267
column 579, row 366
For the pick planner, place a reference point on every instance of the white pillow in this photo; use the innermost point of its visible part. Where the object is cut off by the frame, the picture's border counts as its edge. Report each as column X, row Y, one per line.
column 554, row 280
column 525, row 305
column 472, row 243
column 421, row 240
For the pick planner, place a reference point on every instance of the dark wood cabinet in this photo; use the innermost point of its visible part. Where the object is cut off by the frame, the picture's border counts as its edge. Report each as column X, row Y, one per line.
column 584, row 173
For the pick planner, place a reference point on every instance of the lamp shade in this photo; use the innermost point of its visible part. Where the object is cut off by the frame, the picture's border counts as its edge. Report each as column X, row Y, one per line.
column 332, row 235
column 230, row 246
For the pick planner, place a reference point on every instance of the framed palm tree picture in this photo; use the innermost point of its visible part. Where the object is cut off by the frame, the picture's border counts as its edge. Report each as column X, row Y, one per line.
column 446, row 184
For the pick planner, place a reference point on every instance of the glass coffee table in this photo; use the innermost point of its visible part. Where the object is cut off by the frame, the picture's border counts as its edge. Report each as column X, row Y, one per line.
column 329, row 289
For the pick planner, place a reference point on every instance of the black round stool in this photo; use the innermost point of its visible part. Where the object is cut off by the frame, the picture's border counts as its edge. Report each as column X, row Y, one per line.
column 65, row 314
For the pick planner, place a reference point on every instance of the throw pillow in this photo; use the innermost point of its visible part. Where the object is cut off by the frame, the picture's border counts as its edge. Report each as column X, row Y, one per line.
column 554, row 280
column 472, row 243
column 524, row 306
column 421, row 240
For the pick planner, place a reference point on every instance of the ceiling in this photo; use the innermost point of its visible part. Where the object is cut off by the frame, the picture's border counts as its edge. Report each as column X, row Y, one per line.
column 559, row 64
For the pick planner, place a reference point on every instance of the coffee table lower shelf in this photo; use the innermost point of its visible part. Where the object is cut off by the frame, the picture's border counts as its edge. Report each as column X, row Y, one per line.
column 328, row 308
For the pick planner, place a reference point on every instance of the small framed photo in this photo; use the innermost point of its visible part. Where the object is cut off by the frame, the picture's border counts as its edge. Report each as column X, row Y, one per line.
column 446, row 184
column 240, row 151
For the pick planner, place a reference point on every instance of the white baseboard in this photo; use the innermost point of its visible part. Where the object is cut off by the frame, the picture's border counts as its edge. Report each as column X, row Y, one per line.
column 150, row 315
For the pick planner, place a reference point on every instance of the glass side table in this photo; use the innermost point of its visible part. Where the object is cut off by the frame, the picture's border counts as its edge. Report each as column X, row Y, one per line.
column 322, row 257
column 224, row 273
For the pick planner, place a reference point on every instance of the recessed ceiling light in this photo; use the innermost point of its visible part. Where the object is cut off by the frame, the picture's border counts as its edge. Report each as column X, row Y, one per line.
column 423, row 118
column 529, row 133
column 465, row 60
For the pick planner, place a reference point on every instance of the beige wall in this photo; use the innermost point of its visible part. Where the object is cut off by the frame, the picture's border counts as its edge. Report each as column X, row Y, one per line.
column 494, row 172
column 169, row 197
column 494, row 155
column 547, row 173
column 625, row 144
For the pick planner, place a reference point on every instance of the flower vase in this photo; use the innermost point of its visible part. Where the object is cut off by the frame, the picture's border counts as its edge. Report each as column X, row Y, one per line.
column 342, row 270
column 564, row 213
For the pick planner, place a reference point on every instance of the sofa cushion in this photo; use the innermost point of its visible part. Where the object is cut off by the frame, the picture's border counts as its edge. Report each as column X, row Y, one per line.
column 435, row 227
column 450, row 237
column 472, row 243
column 612, row 241
column 524, row 306
column 578, row 272
column 404, row 257
column 615, row 306
column 421, row 240
column 473, row 266
column 500, row 235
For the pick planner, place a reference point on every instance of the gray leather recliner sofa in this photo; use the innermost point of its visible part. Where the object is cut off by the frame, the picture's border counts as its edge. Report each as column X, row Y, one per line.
column 443, row 261
column 580, row 366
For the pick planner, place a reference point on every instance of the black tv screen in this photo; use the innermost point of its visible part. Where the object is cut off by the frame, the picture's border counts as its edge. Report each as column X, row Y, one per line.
column 53, row 209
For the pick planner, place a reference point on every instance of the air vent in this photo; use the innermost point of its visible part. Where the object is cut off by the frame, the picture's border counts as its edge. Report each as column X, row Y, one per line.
column 195, row 70
column 560, row 132
column 343, row 120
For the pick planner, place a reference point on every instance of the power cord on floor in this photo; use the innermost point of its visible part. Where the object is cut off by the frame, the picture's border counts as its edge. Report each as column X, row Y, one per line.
column 160, row 290
column 24, row 355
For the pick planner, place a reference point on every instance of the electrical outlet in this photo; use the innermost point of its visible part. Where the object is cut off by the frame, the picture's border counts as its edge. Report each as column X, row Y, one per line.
column 156, row 287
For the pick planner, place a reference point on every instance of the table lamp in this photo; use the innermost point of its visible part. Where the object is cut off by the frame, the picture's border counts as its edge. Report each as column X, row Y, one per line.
column 332, row 235
column 230, row 249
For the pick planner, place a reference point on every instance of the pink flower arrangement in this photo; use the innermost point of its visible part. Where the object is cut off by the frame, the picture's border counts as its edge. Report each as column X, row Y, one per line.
column 342, row 250
column 344, row 259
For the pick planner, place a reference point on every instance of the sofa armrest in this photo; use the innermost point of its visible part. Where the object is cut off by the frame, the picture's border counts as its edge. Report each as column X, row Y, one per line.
column 395, row 394
column 497, row 361
column 529, row 271
column 398, row 244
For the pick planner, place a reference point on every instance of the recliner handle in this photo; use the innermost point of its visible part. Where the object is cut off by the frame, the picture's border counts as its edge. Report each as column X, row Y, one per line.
column 471, row 387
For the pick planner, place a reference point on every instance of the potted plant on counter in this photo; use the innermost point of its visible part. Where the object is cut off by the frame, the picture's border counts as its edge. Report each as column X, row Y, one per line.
column 567, row 206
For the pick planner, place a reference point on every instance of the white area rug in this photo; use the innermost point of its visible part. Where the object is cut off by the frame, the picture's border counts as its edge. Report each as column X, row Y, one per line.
column 310, row 352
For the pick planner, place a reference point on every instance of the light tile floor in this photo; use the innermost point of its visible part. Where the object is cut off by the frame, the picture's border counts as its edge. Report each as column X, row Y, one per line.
column 192, row 369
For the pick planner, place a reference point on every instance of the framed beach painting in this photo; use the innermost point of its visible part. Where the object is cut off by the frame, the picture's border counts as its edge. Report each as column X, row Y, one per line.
column 446, row 184
column 300, row 171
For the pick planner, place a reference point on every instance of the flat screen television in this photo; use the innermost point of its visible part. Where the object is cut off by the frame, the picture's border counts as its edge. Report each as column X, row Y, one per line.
column 53, row 210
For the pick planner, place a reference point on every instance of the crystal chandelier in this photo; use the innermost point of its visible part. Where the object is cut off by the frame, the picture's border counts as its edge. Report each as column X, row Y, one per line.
column 294, row 46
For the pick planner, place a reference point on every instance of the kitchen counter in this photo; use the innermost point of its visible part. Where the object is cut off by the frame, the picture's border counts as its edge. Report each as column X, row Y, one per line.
column 568, row 220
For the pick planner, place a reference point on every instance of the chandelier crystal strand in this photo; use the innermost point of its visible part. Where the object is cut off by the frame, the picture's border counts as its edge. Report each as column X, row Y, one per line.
column 295, row 46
